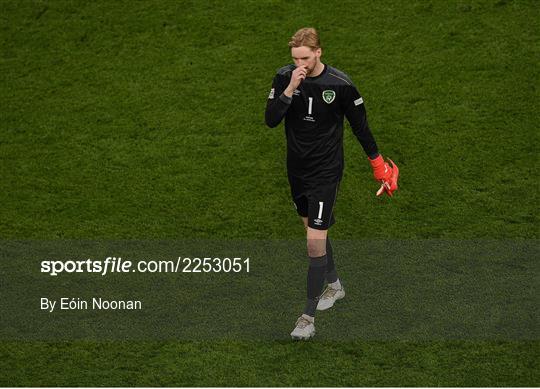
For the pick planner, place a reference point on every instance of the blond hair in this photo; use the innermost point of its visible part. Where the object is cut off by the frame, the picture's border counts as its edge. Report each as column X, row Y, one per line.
column 307, row 36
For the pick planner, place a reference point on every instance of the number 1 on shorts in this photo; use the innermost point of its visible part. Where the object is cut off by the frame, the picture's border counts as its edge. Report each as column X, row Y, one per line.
column 321, row 204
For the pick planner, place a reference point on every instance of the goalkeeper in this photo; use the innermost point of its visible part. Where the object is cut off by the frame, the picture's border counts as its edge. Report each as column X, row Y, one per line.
column 314, row 98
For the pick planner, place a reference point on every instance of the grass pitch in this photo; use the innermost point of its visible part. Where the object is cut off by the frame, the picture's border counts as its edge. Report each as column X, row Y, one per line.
column 144, row 120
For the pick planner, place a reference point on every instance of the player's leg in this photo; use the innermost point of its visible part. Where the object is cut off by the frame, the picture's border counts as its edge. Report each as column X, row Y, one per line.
column 304, row 326
column 320, row 217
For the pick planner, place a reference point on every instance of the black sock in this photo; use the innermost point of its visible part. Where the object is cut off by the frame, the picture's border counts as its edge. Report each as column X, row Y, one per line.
column 315, row 283
column 331, row 273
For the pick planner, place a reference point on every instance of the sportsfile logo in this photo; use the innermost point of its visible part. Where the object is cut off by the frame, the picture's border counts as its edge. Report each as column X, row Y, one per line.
column 120, row 265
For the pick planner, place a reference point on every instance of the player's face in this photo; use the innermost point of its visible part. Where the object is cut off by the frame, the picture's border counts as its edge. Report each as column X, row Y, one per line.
column 305, row 56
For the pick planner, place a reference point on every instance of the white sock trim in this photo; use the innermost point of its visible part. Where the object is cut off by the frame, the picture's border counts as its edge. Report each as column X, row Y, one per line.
column 308, row 318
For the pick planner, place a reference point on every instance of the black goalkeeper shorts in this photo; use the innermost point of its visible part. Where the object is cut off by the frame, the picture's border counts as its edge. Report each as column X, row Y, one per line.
column 315, row 201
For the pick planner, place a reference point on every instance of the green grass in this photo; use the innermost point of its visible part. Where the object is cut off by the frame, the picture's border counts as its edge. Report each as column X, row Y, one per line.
column 144, row 120
column 279, row 363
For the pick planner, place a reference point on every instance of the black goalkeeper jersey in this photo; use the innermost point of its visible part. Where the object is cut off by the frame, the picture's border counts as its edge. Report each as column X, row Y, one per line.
column 314, row 122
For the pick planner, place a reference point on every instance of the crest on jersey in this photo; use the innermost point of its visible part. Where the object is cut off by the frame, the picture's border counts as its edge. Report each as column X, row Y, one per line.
column 328, row 96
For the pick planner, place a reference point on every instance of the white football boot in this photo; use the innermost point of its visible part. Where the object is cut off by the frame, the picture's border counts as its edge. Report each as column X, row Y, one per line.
column 329, row 297
column 305, row 328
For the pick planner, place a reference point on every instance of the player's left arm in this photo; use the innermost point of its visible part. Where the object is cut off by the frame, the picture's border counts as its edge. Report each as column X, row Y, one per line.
column 355, row 111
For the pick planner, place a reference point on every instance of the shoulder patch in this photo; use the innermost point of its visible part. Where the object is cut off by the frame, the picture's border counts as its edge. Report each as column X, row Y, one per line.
column 271, row 95
column 358, row 101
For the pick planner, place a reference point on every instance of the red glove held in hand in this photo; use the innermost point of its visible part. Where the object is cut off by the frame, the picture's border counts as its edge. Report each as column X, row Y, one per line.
column 388, row 176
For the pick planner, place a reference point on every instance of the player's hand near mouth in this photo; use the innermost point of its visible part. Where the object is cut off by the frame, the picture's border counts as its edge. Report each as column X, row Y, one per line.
column 298, row 75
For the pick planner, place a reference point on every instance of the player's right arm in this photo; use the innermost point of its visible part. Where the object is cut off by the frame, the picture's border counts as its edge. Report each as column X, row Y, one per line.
column 280, row 97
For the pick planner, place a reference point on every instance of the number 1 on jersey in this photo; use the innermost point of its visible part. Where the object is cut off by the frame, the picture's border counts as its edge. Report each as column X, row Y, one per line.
column 310, row 105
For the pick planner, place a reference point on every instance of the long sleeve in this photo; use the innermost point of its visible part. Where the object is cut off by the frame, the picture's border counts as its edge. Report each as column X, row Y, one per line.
column 277, row 104
column 356, row 115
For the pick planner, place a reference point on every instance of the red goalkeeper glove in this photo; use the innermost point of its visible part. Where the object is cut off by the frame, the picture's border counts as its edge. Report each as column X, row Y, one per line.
column 386, row 174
